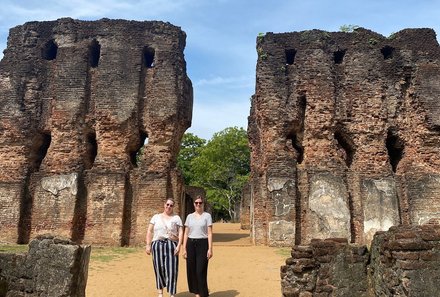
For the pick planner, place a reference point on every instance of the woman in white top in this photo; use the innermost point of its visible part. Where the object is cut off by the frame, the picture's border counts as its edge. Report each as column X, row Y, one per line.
column 164, row 238
column 197, row 244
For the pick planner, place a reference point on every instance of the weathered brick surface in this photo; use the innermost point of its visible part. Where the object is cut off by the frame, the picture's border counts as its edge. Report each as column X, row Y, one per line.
column 400, row 263
column 54, row 266
column 328, row 268
column 78, row 99
column 405, row 269
column 344, row 134
column 245, row 207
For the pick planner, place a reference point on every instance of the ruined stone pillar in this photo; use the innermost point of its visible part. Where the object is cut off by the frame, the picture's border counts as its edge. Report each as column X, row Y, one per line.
column 350, row 121
column 79, row 101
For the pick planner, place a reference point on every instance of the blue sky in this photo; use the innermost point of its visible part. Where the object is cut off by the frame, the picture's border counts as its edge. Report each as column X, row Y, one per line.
column 221, row 36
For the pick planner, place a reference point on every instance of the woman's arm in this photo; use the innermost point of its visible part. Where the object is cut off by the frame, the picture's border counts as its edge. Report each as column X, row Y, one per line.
column 185, row 239
column 179, row 244
column 209, row 254
column 149, row 238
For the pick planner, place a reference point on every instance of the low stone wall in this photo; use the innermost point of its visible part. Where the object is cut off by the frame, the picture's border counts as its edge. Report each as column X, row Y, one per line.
column 404, row 261
column 53, row 267
column 329, row 267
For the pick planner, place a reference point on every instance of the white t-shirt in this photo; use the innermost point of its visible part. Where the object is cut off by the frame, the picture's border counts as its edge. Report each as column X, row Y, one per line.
column 198, row 225
column 164, row 228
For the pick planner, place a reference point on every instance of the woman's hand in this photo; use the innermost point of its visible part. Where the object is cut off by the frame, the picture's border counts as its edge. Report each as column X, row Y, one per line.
column 176, row 250
column 209, row 254
column 148, row 249
column 184, row 253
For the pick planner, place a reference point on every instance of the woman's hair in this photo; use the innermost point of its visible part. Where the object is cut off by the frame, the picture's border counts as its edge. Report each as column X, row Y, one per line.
column 170, row 199
column 199, row 197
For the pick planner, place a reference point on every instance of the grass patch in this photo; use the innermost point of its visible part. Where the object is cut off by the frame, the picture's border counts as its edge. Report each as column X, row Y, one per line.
column 284, row 252
column 107, row 254
column 14, row 248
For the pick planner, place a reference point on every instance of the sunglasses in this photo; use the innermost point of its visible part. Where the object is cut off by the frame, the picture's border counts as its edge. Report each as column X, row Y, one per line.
column 170, row 205
column 198, row 203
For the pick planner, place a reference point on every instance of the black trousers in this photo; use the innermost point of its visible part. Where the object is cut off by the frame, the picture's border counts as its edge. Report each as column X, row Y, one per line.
column 197, row 266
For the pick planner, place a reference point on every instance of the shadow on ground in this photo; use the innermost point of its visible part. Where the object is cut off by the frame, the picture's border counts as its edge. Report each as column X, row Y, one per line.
column 227, row 237
column 228, row 293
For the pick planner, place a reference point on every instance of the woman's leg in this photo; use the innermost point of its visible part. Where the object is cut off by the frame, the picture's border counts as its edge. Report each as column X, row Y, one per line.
column 171, row 264
column 157, row 255
column 202, row 267
column 191, row 272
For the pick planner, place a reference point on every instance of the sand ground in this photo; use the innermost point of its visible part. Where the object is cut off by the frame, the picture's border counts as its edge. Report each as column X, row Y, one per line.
column 237, row 269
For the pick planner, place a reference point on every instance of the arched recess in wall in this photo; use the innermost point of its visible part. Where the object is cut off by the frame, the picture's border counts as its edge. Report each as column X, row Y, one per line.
column 338, row 56
column 49, row 51
column 345, row 145
column 136, row 151
column 290, row 56
column 91, row 150
column 297, row 146
column 39, row 146
column 148, row 55
column 395, row 147
column 94, row 53
column 38, row 150
column 296, row 132
column 387, row 52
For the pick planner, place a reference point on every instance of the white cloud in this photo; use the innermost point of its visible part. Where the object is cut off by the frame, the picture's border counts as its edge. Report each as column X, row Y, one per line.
column 236, row 82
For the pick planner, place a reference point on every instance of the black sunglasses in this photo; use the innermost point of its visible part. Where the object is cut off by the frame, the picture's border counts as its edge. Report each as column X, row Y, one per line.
column 198, row 203
column 170, row 205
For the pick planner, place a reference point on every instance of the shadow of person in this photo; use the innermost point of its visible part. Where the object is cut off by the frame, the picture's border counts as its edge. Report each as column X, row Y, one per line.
column 228, row 293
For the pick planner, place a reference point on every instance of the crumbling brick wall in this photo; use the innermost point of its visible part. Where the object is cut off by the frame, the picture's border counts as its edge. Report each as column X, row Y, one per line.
column 78, row 101
column 53, row 266
column 345, row 134
column 245, row 207
column 329, row 267
column 404, row 261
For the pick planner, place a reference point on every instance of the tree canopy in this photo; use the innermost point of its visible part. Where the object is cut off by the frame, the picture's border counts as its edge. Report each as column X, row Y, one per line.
column 221, row 167
column 189, row 149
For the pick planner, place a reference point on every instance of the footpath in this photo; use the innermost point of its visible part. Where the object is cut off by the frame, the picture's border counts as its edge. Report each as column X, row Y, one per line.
column 237, row 269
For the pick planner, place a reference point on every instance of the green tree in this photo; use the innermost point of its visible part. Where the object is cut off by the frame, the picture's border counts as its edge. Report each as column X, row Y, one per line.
column 348, row 28
column 189, row 149
column 222, row 168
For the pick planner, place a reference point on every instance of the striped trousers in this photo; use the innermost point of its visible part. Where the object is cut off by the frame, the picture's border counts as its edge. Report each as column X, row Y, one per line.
column 166, row 265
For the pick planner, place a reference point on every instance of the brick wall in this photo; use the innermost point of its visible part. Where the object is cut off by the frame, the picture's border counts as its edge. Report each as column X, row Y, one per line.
column 403, row 261
column 53, row 266
column 344, row 134
column 79, row 99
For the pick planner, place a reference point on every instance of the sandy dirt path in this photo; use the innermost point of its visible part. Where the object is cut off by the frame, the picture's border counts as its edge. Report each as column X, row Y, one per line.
column 237, row 269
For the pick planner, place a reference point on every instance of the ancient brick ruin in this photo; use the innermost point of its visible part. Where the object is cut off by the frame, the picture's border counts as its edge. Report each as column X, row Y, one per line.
column 53, row 266
column 78, row 101
column 345, row 134
column 404, row 261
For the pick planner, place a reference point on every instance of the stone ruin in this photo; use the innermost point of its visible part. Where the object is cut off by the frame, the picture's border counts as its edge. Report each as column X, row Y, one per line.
column 345, row 135
column 92, row 114
column 404, row 261
column 54, row 266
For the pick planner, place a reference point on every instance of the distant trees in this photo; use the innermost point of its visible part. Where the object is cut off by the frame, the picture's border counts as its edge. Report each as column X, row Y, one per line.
column 221, row 166
column 189, row 150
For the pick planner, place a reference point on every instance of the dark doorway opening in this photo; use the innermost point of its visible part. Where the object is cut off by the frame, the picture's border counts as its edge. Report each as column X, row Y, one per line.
column 290, row 56
column 395, row 147
column 49, row 50
column 94, row 53
column 148, row 57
